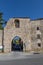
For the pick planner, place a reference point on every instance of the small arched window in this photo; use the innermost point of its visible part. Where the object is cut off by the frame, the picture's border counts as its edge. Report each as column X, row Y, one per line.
column 17, row 23
column 37, row 28
column 39, row 44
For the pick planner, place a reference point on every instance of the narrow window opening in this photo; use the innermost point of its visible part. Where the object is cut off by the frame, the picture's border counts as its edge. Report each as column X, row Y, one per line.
column 37, row 28
column 39, row 44
column 17, row 23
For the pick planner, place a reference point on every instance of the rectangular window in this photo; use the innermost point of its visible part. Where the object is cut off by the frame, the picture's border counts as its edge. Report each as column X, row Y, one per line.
column 39, row 44
column 37, row 28
column 17, row 23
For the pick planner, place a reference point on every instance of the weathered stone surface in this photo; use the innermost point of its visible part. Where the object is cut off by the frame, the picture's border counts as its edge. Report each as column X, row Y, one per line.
column 27, row 32
column 10, row 32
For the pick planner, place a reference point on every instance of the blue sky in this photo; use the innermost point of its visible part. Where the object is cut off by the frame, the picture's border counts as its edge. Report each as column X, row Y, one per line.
column 21, row 8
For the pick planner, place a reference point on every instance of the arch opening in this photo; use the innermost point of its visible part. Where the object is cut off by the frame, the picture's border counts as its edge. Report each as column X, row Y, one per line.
column 17, row 44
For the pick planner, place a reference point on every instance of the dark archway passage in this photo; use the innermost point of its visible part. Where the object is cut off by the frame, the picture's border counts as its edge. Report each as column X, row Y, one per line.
column 17, row 44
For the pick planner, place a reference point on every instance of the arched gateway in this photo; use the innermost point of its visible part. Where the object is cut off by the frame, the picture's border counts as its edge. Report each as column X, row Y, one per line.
column 17, row 44
column 29, row 31
column 17, row 35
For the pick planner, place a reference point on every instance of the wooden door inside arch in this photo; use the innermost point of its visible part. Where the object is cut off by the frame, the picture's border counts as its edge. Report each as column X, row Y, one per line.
column 17, row 44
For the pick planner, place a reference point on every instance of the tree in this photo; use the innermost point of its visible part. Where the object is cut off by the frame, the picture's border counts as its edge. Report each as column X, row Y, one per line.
column 1, row 20
column 2, row 28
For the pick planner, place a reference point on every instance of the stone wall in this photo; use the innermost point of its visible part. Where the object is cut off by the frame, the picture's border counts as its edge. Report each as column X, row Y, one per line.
column 34, row 32
column 10, row 32
column 27, row 32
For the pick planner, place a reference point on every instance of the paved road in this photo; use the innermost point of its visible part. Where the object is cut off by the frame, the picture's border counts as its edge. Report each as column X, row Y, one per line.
column 36, row 59
column 26, row 61
column 14, row 55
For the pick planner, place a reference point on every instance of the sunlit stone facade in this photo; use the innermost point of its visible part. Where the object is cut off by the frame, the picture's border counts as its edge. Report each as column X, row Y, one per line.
column 30, row 31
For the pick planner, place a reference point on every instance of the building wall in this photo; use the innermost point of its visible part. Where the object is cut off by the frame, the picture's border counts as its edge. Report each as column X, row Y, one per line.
column 10, row 32
column 35, row 32
column 27, row 31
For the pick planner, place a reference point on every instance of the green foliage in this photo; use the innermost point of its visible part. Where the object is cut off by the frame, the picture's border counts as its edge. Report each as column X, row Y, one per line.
column 1, row 28
column 1, row 21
